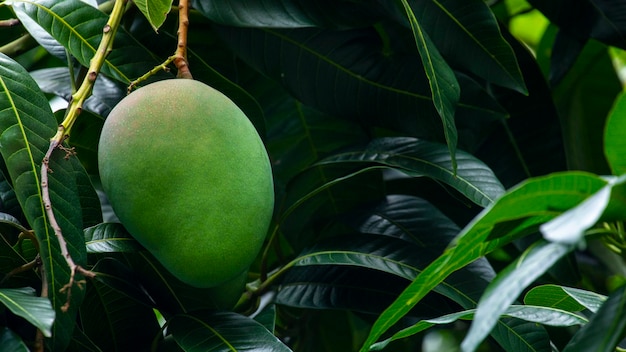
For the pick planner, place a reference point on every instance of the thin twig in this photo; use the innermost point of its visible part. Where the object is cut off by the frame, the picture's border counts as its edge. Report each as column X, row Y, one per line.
column 74, row 109
column 10, row 22
column 155, row 70
column 45, row 194
column 180, row 57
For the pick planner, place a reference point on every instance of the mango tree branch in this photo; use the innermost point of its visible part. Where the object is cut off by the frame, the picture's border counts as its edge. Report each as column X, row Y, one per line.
column 73, row 111
column 180, row 57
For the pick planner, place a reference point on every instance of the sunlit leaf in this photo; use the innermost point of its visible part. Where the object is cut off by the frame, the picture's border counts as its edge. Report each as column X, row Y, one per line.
column 566, row 298
column 508, row 285
column 540, row 315
column 605, row 328
column 155, row 10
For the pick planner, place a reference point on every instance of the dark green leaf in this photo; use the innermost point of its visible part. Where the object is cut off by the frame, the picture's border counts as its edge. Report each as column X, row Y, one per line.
column 605, row 328
column 418, row 158
column 27, row 124
column 122, row 324
column 443, row 84
column 110, row 238
column 599, row 19
column 10, row 341
column 222, row 331
column 287, row 14
column 538, row 200
column 36, row 310
column 368, row 86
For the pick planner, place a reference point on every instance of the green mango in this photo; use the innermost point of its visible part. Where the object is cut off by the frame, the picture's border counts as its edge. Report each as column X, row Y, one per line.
column 189, row 177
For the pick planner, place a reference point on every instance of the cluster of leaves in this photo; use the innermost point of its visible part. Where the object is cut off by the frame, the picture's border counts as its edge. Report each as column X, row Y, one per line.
column 420, row 152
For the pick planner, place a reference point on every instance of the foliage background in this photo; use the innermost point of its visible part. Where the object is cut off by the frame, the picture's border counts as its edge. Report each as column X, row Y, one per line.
column 448, row 175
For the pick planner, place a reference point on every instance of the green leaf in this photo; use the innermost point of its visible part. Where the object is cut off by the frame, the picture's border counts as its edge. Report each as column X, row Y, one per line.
column 605, row 328
column 155, row 11
column 443, row 84
column 615, row 136
column 508, row 285
column 36, row 310
column 570, row 227
column 114, row 322
column 566, row 298
column 540, row 315
column 110, row 238
column 222, row 331
column 368, row 85
column 10, row 341
column 27, row 124
column 287, row 14
column 525, row 207
column 419, row 158
column 78, row 27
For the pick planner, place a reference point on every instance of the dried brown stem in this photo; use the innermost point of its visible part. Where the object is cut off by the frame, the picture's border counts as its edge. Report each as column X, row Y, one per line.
column 10, row 22
column 180, row 57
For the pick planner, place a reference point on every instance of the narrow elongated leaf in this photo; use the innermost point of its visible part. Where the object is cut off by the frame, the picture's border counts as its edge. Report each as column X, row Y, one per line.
column 444, row 87
column 614, row 141
column 536, row 314
column 399, row 258
column 36, row 310
column 417, row 158
column 27, row 124
column 222, row 331
column 605, row 329
column 508, row 285
column 155, row 11
column 531, row 203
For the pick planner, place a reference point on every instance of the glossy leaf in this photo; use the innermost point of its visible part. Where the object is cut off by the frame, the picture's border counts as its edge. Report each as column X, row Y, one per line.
column 443, row 84
column 540, row 315
column 522, row 210
column 396, row 257
column 110, row 238
column 508, row 285
column 566, row 298
column 27, row 124
column 155, row 11
column 418, row 158
column 287, row 14
column 36, row 310
column 222, row 331
column 614, row 141
column 609, row 323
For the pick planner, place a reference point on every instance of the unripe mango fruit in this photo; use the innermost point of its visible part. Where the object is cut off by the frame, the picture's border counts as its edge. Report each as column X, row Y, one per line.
column 188, row 176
